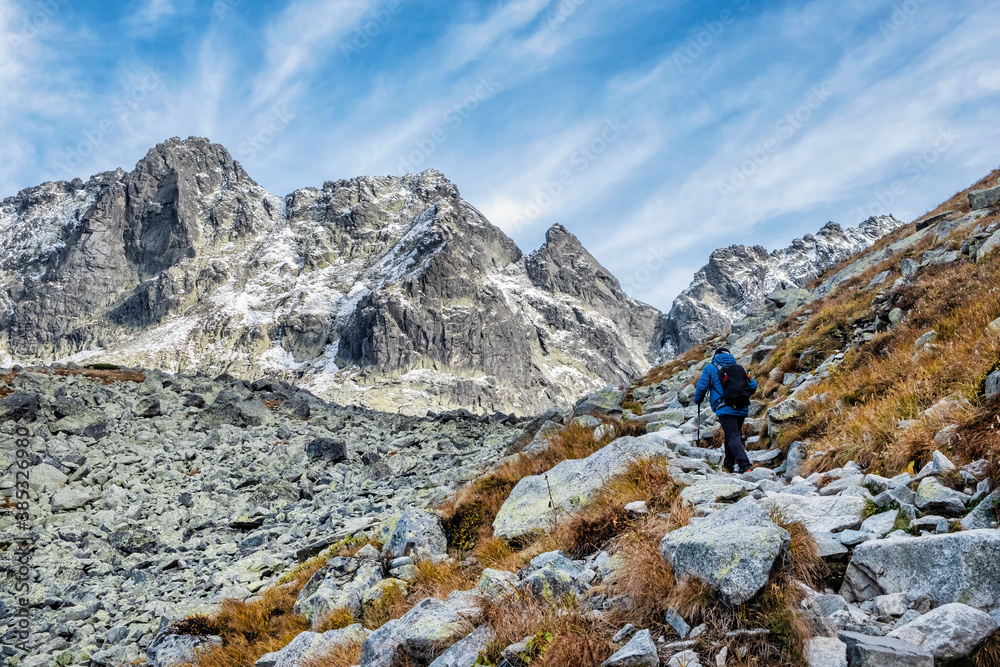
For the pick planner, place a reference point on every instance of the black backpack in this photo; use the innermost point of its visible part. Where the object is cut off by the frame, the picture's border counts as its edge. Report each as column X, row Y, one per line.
column 736, row 391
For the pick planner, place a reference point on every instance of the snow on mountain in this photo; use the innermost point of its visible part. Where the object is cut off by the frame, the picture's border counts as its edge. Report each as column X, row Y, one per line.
column 392, row 292
column 738, row 279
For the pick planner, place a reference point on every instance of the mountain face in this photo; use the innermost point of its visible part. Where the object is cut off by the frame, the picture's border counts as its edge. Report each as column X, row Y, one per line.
column 737, row 280
column 391, row 292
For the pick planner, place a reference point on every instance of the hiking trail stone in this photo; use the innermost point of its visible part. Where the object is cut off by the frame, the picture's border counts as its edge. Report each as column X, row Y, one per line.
column 732, row 550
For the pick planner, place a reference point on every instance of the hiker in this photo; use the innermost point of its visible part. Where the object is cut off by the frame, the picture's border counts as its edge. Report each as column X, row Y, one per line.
column 729, row 387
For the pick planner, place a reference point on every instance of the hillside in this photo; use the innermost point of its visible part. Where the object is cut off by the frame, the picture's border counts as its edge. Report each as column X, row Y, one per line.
column 605, row 534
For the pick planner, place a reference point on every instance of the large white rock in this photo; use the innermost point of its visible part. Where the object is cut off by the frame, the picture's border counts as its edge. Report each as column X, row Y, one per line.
column 715, row 490
column 984, row 515
column 167, row 650
column 934, row 498
column 417, row 533
column 308, row 647
column 671, row 437
column 330, row 589
column 957, row 567
column 820, row 514
column 880, row 524
column 826, row 652
column 732, row 550
column 572, row 483
column 69, row 498
column 639, row 652
column 867, row 651
column 423, row 634
column 465, row 652
column 44, row 478
column 949, row 632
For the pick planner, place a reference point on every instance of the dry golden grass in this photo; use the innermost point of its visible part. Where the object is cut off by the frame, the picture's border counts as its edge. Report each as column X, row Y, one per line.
column 468, row 515
column 337, row 619
column 988, row 653
column 341, row 656
column 807, row 566
column 882, row 382
column 393, row 604
column 497, row 554
column 437, row 580
column 979, row 436
column 828, row 329
column 251, row 629
column 675, row 365
column 634, row 406
column 563, row 635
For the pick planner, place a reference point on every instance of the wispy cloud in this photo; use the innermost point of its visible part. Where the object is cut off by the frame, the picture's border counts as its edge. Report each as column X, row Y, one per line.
column 877, row 119
column 299, row 38
column 151, row 12
column 717, row 133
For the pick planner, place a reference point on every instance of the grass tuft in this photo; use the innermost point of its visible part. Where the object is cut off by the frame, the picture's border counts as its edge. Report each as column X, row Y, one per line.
column 468, row 516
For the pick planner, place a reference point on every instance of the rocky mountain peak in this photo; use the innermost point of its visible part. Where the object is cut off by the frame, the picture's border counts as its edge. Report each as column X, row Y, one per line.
column 390, row 291
column 737, row 280
column 563, row 263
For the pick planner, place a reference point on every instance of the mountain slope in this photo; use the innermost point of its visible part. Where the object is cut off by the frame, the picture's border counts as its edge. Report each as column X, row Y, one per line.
column 737, row 280
column 392, row 292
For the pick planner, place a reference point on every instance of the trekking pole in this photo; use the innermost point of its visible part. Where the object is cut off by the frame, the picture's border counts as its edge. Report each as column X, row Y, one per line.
column 699, row 425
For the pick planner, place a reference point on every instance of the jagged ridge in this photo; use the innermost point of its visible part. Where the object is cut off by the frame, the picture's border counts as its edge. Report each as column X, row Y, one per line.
column 737, row 280
column 392, row 292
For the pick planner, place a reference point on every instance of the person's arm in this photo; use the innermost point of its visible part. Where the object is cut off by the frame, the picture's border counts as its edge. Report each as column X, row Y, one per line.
column 753, row 384
column 701, row 387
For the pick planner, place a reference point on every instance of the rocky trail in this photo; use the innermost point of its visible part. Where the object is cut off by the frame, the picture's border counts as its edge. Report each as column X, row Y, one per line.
column 902, row 586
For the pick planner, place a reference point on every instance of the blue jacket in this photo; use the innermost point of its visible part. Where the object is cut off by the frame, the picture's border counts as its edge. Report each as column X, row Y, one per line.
column 711, row 383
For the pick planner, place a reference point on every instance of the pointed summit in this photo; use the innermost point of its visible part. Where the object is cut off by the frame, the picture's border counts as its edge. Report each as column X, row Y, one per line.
column 563, row 263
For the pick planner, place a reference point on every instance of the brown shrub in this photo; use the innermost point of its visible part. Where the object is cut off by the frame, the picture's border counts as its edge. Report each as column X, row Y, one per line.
column 468, row 515
column 979, row 436
column 251, row 629
column 341, row 656
column 337, row 619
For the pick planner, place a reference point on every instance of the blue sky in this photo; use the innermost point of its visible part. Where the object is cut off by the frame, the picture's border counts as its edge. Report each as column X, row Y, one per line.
column 655, row 131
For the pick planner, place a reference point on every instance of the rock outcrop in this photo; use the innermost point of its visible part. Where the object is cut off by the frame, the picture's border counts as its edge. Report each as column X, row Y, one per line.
column 738, row 280
column 732, row 550
column 960, row 567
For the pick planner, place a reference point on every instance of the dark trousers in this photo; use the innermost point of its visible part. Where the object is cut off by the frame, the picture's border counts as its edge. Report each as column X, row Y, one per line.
column 732, row 427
